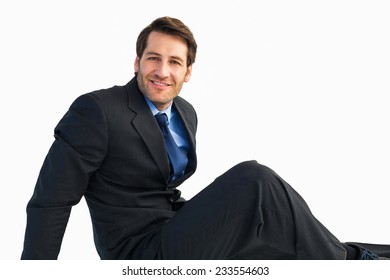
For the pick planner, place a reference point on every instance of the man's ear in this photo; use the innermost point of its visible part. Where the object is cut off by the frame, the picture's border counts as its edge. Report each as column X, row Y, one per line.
column 136, row 64
column 188, row 75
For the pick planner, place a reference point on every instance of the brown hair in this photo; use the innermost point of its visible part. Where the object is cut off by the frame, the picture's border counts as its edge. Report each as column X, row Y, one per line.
column 170, row 26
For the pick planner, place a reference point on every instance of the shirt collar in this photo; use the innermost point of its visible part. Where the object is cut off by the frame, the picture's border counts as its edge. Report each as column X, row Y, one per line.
column 155, row 111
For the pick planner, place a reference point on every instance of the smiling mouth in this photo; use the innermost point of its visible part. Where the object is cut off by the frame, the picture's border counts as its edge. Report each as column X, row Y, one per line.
column 160, row 84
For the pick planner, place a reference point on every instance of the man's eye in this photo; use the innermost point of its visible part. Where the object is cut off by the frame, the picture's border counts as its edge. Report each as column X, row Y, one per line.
column 152, row 58
column 175, row 62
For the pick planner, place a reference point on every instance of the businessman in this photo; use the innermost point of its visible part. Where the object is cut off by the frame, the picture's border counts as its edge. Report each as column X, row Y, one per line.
column 126, row 149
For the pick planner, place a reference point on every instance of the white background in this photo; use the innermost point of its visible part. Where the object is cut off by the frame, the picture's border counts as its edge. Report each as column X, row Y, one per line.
column 304, row 83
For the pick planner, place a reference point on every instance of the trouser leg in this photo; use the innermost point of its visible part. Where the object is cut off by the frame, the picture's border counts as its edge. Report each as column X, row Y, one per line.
column 248, row 213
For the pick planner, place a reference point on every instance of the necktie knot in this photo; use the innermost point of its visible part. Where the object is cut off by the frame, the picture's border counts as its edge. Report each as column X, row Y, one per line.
column 162, row 120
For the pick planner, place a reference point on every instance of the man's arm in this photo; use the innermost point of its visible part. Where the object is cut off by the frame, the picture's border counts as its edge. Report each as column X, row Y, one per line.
column 80, row 146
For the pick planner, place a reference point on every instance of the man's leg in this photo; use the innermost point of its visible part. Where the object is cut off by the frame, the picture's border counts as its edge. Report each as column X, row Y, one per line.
column 247, row 213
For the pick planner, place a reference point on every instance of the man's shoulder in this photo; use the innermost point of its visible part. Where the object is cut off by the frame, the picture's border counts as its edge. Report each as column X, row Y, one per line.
column 186, row 110
column 108, row 99
column 117, row 93
column 108, row 93
column 183, row 104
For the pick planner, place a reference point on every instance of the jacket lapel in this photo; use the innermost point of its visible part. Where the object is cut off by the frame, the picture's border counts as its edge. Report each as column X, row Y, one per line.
column 147, row 127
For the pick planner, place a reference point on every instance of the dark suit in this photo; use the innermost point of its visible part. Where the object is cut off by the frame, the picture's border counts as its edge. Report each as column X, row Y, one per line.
column 109, row 148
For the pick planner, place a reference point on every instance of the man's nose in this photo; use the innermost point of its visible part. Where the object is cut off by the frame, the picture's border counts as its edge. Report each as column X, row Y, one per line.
column 162, row 70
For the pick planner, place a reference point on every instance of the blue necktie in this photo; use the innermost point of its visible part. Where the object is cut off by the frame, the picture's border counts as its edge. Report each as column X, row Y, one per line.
column 177, row 157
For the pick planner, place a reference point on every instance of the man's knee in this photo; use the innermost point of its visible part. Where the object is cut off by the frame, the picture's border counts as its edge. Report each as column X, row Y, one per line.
column 247, row 177
column 254, row 171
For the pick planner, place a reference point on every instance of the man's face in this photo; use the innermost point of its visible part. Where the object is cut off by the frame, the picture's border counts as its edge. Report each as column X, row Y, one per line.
column 162, row 69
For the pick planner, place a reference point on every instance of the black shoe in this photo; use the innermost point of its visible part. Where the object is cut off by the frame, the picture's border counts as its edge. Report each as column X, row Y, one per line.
column 364, row 254
column 367, row 255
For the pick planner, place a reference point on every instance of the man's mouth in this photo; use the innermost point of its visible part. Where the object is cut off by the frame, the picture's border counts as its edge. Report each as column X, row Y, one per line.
column 160, row 84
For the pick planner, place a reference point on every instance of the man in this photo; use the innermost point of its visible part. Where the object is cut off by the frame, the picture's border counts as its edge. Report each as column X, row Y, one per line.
column 126, row 150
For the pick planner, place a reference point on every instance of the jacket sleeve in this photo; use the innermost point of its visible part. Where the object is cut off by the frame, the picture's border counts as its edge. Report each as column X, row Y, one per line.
column 79, row 147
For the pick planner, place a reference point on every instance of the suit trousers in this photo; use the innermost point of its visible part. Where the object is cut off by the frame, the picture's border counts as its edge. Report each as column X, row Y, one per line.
column 249, row 212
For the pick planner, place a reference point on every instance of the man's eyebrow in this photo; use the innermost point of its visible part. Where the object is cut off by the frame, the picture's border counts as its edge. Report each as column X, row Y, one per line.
column 172, row 57
column 153, row 53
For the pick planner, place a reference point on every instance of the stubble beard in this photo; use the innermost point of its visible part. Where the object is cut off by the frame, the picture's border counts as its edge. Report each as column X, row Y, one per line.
column 159, row 99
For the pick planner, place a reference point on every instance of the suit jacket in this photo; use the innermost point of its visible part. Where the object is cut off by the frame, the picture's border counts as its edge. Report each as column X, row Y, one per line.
column 109, row 149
